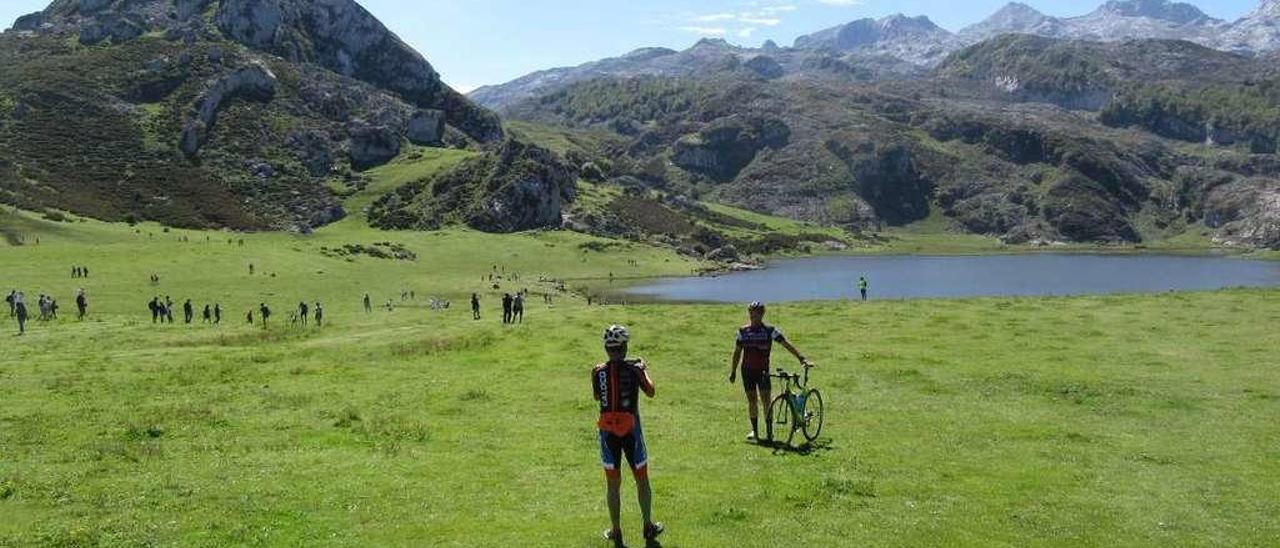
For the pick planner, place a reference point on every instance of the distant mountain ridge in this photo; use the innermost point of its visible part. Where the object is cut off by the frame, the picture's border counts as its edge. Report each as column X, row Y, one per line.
column 883, row 46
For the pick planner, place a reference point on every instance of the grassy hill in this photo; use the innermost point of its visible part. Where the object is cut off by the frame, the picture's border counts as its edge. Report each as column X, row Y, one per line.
column 1135, row 420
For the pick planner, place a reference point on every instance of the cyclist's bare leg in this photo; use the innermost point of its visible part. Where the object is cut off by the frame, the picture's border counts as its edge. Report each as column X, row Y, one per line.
column 614, row 497
column 766, row 396
column 645, row 494
column 753, row 412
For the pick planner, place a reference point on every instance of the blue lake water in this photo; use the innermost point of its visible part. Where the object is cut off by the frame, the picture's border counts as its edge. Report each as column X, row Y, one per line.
column 898, row 277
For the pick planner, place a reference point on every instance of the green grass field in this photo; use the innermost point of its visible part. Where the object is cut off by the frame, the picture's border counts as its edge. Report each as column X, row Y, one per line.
column 1122, row 420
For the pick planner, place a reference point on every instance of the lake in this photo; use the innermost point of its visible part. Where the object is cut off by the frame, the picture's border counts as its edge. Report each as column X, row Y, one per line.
column 899, row 277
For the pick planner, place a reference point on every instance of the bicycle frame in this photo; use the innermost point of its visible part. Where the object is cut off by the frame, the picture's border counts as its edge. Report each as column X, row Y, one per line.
column 796, row 399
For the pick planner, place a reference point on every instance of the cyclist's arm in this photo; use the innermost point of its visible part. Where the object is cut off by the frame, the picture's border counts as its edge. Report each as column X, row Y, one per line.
column 733, row 365
column 595, row 391
column 646, row 383
column 791, row 348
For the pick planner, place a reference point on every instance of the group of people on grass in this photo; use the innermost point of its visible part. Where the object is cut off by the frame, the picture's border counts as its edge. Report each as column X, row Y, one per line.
column 618, row 383
column 304, row 312
column 46, row 305
column 79, row 272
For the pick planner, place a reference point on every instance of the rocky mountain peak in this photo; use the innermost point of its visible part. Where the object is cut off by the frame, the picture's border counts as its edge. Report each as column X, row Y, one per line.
column 712, row 44
column 1017, row 12
column 339, row 35
column 1165, row 10
column 1014, row 17
column 1266, row 8
column 914, row 39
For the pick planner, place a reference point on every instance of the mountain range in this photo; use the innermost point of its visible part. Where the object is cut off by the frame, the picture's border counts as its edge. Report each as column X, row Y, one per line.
column 885, row 45
column 267, row 114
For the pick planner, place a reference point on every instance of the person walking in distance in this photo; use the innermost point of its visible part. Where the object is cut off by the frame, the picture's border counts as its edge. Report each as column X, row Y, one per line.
column 303, row 312
column 616, row 386
column 368, row 304
column 862, row 287
column 206, row 315
column 319, row 314
column 507, row 303
column 217, row 313
column 475, row 306
column 82, row 304
column 517, row 308
column 20, row 311
column 188, row 312
column 265, row 312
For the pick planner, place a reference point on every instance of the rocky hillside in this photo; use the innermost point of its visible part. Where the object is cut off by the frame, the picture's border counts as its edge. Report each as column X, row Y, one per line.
column 237, row 113
column 913, row 39
column 984, row 141
column 1120, row 20
column 899, row 47
column 705, row 57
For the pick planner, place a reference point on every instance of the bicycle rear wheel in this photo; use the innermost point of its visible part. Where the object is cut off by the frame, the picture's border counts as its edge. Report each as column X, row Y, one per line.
column 781, row 420
column 812, row 423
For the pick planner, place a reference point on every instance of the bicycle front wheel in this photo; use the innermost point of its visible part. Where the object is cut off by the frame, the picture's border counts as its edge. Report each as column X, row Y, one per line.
column 812, row 415
column 780, row 418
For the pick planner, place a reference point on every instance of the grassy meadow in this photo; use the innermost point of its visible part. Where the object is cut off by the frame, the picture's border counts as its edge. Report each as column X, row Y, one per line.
column 1118, row 420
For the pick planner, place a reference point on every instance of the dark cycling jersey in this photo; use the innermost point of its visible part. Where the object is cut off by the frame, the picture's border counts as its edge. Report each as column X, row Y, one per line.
column 617, row 386
column 756, row 344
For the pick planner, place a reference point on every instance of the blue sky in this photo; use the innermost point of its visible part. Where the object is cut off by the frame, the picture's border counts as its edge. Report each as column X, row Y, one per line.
column 477, row 42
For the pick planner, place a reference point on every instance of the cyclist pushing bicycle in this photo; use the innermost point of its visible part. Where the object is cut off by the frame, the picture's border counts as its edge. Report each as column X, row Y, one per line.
column 754, row 346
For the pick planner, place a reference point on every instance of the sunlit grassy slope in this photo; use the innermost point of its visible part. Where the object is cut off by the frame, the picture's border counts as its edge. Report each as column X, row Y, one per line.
column 1122, row 420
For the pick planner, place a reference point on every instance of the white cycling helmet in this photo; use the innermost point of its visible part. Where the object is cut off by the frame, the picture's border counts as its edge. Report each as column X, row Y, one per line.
column 616, row 336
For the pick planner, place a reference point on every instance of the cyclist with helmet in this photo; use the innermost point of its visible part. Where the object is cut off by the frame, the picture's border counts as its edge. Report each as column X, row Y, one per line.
column 754, row 345
column 617, row 385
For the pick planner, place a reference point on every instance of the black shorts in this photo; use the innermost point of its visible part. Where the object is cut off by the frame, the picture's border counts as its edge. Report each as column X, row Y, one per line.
column 754, row 380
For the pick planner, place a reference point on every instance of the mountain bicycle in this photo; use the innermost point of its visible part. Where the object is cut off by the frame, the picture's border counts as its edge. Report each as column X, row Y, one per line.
column 800, row 409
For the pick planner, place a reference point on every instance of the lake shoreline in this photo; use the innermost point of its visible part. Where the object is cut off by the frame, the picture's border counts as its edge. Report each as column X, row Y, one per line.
column 829, row 277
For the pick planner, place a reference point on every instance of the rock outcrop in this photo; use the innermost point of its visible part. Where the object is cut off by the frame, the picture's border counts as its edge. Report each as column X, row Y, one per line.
column 253, row 82
column 722, row 150
column 514, row 188
column 372, row 146
column 344, row 37
column 426, row 127
column 1246, row 213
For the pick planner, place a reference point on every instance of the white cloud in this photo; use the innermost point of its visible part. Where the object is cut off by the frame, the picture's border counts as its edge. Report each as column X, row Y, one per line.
column 841, row 2
column 743, row 23
column 705, row 31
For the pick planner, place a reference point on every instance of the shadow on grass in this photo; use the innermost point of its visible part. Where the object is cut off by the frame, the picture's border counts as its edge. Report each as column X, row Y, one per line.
column 804, row 449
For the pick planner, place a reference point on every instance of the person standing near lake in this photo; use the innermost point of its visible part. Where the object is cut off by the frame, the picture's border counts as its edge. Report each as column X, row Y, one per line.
column 862, row 287
column 616, row 386
column 752, row 352
column 20, row 311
